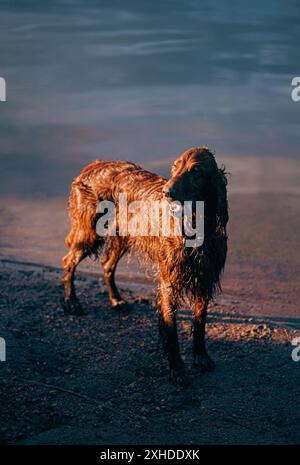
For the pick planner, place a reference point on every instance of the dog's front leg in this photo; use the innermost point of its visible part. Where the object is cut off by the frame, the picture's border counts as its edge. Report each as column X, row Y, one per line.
column 201, row 358
column 168, row 333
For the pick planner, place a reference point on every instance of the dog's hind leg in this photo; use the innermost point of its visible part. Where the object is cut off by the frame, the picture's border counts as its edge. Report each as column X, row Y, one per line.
column 115, row 248
column 82, row 241
column 70, row 261
column 202, row 360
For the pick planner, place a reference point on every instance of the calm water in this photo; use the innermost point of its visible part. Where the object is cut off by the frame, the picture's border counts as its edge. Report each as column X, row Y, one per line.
column 143, row 81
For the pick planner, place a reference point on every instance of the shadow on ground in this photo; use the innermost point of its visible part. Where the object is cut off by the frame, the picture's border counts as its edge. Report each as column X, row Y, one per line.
column 101, row 378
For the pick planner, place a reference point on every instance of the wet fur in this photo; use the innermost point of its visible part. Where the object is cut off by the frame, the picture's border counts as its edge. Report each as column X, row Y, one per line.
column 179, row 270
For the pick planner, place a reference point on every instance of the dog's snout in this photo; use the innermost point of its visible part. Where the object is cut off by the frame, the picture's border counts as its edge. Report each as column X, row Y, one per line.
column 169, row 192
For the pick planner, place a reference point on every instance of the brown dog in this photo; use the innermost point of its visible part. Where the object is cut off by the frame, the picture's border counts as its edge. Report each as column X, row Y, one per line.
column 193, row 271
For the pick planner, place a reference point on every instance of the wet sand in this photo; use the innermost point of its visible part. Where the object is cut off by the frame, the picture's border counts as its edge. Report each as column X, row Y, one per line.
column 262, row 270
column 101, row 379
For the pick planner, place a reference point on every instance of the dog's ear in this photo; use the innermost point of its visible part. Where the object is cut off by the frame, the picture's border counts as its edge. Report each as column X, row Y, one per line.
column 219, row 181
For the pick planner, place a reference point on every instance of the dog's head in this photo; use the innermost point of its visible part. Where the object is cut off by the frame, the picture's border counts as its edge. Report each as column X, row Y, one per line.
column 195, row 176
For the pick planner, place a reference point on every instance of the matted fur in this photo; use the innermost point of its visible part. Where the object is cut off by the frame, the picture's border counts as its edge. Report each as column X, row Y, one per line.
column 180, row 270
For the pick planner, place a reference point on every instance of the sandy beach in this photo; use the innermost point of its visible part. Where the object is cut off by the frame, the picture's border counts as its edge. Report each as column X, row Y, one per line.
column 101, row 378
column 262, row 270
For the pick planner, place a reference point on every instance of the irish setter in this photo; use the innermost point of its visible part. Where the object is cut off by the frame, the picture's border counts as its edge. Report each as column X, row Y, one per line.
column 194, row 271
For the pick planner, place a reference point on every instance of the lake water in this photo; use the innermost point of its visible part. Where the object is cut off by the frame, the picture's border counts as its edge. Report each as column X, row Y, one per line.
column 143, row 81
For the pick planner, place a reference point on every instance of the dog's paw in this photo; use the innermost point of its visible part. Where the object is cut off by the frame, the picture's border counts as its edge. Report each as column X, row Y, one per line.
column 180, row 377
column 120, row 305
column 72, row 307
column 203, row 362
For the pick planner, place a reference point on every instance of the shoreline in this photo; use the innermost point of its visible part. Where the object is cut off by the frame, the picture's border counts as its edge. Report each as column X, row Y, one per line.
column 260, row 273
column 239, row 308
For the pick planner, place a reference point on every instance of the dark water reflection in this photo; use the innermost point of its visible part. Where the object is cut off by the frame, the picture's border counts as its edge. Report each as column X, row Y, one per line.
column 142, row 81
